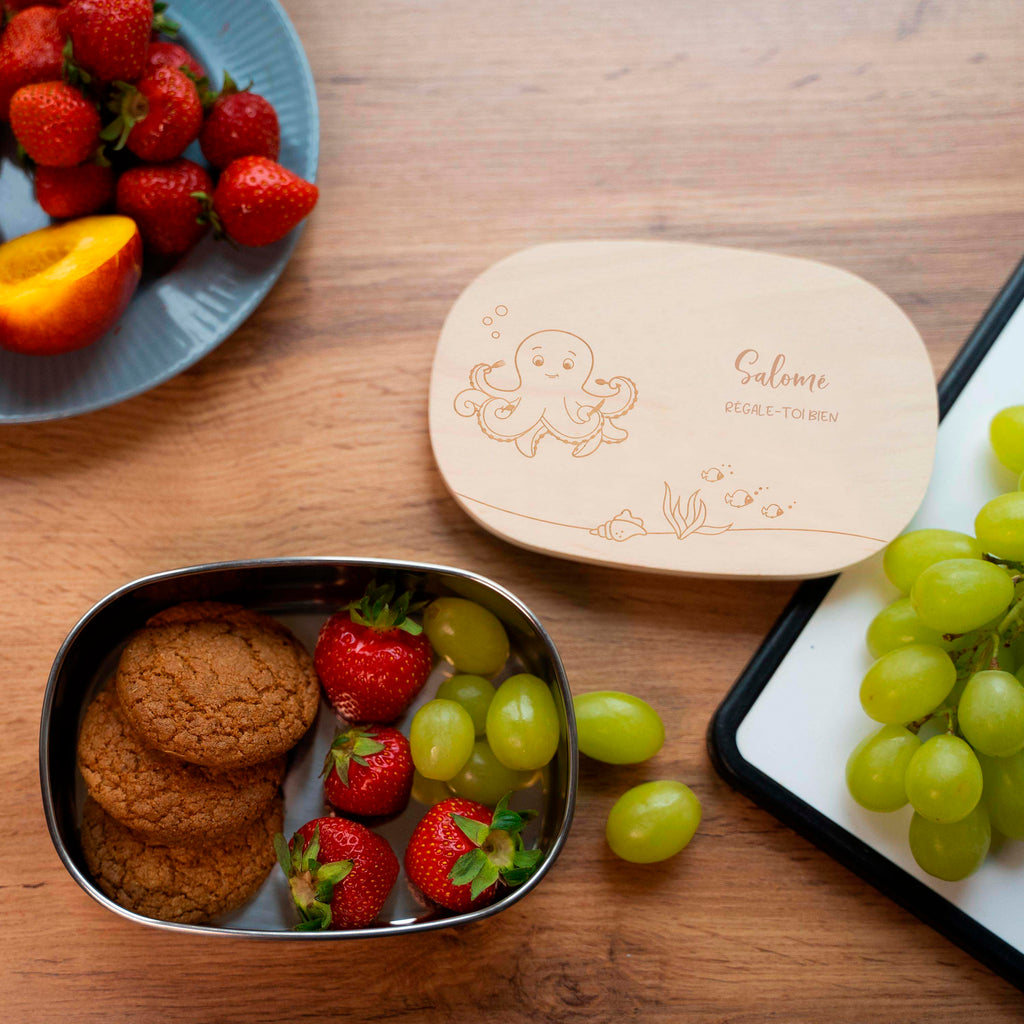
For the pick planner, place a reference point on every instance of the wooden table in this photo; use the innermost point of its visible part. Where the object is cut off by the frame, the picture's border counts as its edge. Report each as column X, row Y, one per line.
column 882, row 137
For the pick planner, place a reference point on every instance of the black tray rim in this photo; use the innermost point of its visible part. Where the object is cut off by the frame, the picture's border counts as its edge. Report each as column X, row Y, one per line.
column 910, row 893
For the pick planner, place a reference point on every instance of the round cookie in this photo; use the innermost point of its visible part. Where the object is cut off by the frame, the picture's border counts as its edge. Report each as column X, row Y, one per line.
column 217, row 685
column 188, row 882
column 161, row 797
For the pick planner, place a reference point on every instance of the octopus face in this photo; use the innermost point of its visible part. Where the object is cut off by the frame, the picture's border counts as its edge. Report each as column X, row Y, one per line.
column 554, row 361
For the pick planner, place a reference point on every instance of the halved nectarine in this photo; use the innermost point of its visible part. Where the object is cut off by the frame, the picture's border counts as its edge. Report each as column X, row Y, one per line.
column 63, row 287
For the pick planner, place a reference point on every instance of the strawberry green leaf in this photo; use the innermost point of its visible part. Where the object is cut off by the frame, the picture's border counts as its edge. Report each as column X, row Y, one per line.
column 284, row 853
column 507, row 821
column 475, row 831
column 376, row 610
column 516, row 876
column 484, row 880
column 467, row 867
column 161, row 23
column 72, row 72
column 365, row 745
column 312, row 848
column 316, row 916
column 334, row 872
column 527, row 858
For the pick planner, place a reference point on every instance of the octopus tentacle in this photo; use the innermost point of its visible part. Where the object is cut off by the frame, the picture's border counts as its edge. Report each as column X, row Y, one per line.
column 617, row 400
column 478, row 378
column 613, row 434
column 527, row 443
column 470, row 400
column 504, row 419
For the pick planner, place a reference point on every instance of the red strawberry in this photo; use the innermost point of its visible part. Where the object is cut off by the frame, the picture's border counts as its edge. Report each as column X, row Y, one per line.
column 30, row 51
column 340, row 873
column 239, row 124
column 258, row 202
column 371, row 659
column 158, row 197
column 55, row 124
column 158, row 117
column 65, row 192
column 174, row 55
column 460, row 850
column 368, row 771
column 109, row 38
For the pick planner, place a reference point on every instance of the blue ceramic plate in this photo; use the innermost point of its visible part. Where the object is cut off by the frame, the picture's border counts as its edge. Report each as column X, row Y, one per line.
column 177, row 318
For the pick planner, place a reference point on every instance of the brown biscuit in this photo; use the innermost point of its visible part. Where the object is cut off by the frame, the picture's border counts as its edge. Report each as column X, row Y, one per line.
column 217, row 685
column 187, row 882
column 159, row 796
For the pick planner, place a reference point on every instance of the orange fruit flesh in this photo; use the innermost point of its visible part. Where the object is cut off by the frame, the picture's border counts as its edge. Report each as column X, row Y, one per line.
column 62, row 253
column 63, row 287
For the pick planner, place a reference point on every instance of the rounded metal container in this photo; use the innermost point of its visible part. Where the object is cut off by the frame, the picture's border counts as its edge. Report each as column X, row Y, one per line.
column 301, row 593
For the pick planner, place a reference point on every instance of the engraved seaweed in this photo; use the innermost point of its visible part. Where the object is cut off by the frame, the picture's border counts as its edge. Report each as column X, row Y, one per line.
column 693, row 520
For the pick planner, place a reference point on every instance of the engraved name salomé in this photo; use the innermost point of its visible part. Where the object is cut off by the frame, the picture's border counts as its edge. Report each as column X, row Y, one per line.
column 753, row 371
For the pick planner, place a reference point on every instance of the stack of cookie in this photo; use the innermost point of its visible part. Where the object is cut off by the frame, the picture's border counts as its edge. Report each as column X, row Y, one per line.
column 183, row 759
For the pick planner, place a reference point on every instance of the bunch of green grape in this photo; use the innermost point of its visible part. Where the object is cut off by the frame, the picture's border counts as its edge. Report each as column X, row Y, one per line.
column 479, row 741
column 948, row 683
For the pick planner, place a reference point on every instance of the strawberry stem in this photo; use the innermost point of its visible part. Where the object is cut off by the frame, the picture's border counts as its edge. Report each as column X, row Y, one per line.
column 161, row 23
column 499, row 852
column 310, row 882
column 352, row 745
column 376, row 610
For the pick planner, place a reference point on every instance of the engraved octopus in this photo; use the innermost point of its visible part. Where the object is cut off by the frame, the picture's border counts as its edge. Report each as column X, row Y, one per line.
column 552, row 393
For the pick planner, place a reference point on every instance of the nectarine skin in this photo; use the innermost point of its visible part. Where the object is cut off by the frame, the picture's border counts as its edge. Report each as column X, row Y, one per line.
column 64, row 287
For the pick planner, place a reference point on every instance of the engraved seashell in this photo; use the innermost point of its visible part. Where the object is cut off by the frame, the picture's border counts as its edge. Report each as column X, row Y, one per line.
column 621, row 527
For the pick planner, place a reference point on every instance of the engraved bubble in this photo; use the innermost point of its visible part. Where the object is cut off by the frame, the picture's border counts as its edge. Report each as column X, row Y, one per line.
column 495, row 334
column 488, row 320
column 501, row 310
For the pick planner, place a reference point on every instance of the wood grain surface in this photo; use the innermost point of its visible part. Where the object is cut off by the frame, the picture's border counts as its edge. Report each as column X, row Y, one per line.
column 880, row 136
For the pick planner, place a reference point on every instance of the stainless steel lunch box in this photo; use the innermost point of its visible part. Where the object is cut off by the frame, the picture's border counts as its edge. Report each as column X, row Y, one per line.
column 302, row 593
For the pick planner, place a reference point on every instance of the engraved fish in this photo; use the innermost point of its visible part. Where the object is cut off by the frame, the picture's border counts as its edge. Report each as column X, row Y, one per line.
column 738, row 499
column 771, row 511
column 712, row 475
column 621, row 527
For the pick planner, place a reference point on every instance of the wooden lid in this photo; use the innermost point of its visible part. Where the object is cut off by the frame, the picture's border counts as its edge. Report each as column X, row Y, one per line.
column 683, row 408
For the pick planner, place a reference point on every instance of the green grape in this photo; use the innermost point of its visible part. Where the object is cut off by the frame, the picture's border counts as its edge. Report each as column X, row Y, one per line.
column 441, row 739
column 652, row 821
column 467, row 635
column 1006, row 432
column 952, row 851
column 1004, row 793
column 877, row 766
column 898, row 625
column 484, row 778
column 1000, row 526
column 616, row 727
column 910, row 554
column 474, row 693
column 991, row 713
column 428, row 791
column 961, row 594
column 907, row 683
column 943, row 779
column 522, row 723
